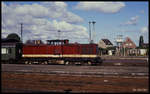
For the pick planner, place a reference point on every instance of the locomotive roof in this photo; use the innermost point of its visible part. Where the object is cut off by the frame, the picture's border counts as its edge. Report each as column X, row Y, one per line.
column 57, row 40
column 71, row 44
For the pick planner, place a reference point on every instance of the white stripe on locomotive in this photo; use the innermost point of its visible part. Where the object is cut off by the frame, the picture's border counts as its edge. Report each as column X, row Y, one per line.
column 70, row 55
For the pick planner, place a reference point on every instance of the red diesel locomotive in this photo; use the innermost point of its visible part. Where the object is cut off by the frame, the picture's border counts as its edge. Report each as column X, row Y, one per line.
column 61, row 52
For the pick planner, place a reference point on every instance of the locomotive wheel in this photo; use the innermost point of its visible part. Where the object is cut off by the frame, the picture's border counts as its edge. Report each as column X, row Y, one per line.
column 78, row 63
column 30, row 62
column 26, row 62
column 98, row 64
column 85, row 63
column 67, row 63
column 89, row 63
column 46, row 62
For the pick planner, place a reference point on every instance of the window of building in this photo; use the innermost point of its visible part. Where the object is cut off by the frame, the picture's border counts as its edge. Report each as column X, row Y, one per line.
column 130, row 44
column 127, row 44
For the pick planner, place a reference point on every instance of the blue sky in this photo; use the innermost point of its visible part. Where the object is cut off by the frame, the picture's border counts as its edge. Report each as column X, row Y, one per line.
column 129, row 19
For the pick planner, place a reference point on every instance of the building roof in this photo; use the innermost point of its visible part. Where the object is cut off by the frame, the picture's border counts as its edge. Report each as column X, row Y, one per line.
column 57, row 40
column 13, row 36
column 128, row 43
column 107, row 42
column 5, row 40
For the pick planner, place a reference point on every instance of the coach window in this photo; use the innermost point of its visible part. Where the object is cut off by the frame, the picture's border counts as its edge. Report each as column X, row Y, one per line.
column 9, row 50
column 4, row 51
column 19, row 51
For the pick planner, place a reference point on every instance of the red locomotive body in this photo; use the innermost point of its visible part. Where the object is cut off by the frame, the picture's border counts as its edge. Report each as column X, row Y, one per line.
column 62, row 51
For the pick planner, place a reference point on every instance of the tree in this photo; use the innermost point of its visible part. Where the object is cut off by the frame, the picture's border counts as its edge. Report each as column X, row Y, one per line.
column 141, row 41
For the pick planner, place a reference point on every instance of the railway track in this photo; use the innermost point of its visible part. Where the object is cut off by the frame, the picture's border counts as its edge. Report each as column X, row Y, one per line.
column 78, row 70
column 35, row 83
column 22, row 78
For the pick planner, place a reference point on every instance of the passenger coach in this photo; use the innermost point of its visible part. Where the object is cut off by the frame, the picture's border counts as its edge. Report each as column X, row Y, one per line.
column 11, row 49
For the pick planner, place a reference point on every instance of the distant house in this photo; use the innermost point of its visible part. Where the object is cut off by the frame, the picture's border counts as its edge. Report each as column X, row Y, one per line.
column 144, row 49
column 105, row 47
column 129, row 47
column 104, row 43
column 145, row 45
column 128, row 43
column 142, row 44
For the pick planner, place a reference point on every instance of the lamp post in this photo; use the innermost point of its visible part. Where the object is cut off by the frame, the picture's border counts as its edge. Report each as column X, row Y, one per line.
column 93, row 28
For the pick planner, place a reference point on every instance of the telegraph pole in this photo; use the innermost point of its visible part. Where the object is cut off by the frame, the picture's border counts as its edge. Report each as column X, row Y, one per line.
column 93, row 28
column 21, row 31
column 90, row 31
column 59, row 34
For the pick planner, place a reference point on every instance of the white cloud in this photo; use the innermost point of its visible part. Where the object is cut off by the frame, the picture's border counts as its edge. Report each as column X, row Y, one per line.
column 59, row 10
column 68, row 18
column 132, row 21
column 41, row 21
column 144, row 29
column 55, row 10
column 142, row 11
column 105, row 7
column 58, row 4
